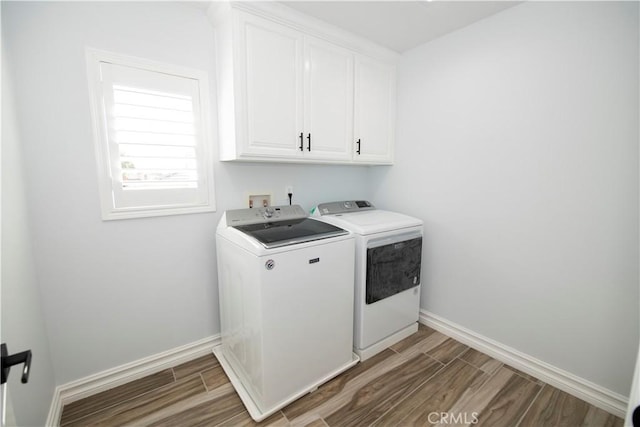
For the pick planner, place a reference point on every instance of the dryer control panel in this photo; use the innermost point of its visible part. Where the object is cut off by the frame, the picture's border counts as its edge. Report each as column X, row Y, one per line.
column 346, row 206
column 264, row 215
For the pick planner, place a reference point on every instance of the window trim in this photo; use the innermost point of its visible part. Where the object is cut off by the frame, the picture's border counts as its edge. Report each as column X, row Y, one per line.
column 101, row 142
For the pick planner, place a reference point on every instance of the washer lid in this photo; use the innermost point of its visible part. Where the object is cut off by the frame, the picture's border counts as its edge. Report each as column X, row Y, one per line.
column 373, row 221
column 289, row 232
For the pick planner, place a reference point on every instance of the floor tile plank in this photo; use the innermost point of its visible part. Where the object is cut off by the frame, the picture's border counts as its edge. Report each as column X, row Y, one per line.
column 182, row 405
column 413, row 339
column 436, row 395
column 479, row 395
column 81, row 408
column 554, row 407
column 317, row 423
column 195, row 366
column 334, row 387
column 509, row 404
column 523, row 375
column 384, row 392
column 145, row 404
column 245, row 420
column 214, row 378
column 597, row 417
column 412, row 347
column 209, row 413
column 481, row 361
column 447, row 351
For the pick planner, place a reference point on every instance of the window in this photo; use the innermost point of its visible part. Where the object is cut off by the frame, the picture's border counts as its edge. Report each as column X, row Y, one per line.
column 151, row 131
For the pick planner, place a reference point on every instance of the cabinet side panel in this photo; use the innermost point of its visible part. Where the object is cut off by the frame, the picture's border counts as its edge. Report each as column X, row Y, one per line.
column 225, row 89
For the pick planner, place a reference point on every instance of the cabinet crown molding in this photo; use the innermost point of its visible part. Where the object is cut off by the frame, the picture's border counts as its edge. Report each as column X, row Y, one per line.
column 310, row 25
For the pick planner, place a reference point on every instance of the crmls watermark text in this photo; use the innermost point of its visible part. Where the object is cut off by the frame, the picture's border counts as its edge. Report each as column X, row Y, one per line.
column 450, row 418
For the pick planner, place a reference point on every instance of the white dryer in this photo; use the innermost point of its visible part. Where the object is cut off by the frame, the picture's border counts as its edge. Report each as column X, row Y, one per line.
column 387, row 272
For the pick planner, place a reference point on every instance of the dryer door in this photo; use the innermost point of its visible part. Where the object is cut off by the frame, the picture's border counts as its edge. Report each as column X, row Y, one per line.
column 393, row 265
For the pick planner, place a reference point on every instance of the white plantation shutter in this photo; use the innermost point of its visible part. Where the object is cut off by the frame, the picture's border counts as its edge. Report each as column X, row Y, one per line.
column 154, row 153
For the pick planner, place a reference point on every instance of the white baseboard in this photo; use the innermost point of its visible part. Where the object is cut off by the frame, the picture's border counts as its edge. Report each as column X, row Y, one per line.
column 594, row 394
column 105, row 380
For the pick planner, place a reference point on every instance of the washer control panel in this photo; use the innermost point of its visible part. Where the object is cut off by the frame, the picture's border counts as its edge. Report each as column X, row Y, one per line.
column 346, row 206
column 264, row 215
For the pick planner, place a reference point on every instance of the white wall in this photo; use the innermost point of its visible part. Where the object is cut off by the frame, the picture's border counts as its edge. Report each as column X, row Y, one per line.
column 23, row 325
column 517, row 144
column 114, row 292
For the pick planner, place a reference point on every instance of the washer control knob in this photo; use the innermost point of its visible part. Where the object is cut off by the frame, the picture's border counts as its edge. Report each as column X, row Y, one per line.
column 347, row 205
column 268, row 213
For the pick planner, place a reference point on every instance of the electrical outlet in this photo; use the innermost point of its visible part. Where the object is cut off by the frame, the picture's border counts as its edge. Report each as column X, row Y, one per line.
column 259, row 200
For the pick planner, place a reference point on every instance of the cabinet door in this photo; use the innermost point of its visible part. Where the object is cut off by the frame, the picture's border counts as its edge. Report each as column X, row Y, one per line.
column 374, row 111
column 328, row 101
column 273, row 88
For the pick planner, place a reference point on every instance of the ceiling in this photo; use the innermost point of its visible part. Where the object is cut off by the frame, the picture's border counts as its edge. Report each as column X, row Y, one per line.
column 400, row 25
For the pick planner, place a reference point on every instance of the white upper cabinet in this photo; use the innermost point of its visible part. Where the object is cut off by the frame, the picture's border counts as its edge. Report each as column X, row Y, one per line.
column 375, row 97
column 328, row 101
column 294, row 91
column 272, row 76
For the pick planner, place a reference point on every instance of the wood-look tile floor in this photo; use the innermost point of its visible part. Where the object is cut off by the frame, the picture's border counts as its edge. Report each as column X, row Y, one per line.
column 426, row 379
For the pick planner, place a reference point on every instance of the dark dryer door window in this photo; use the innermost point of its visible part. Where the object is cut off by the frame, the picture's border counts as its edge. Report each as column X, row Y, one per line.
column 393, row 268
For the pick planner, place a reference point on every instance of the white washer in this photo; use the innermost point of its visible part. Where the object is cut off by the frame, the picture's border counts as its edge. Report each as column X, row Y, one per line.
column 387, row 279
column 286, row 304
